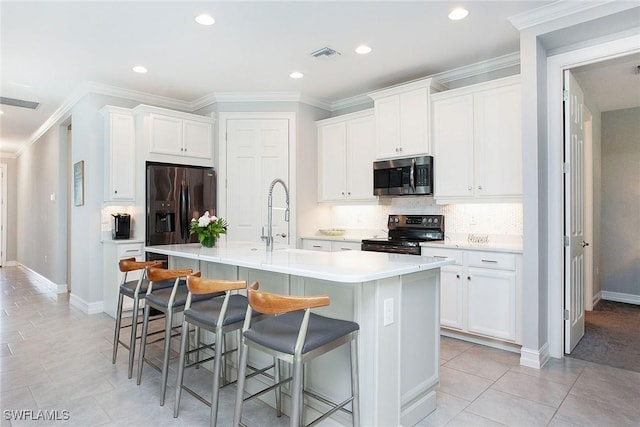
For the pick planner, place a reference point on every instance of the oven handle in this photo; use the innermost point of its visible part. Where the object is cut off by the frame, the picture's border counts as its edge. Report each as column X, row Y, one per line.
column 389, row 249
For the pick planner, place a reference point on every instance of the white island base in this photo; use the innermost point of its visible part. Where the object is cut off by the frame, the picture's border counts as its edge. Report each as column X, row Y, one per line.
column 394, row 299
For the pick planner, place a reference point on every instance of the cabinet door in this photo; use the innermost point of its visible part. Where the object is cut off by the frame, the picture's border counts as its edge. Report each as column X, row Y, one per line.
column 360, row 157
column 498, row 146
column 197, row 140
column 388, row 127
column 451, row 297
column 122, row 149
column 414, row 122
column 491, row 298
column 333, row 161
column 453, row 147
column 165, row 134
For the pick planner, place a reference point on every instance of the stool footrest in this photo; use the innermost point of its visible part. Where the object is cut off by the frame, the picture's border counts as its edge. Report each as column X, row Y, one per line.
column 334, row 407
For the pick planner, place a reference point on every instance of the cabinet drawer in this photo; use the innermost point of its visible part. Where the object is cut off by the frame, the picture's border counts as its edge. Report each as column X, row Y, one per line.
column 317, row 245
column 443, row 253
column 345, row 246
column 130, row 250
column 497, row 260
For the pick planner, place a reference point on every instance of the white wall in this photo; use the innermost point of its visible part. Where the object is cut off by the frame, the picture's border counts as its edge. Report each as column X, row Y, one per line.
column 620, row 252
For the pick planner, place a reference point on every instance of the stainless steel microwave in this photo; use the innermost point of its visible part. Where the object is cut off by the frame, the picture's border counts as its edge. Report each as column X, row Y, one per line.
column 403, row 177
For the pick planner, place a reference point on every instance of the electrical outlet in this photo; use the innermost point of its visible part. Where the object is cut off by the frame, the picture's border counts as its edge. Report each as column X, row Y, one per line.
column 388, row 312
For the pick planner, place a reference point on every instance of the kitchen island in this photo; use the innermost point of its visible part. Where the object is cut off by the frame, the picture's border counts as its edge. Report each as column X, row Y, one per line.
column 394, row 298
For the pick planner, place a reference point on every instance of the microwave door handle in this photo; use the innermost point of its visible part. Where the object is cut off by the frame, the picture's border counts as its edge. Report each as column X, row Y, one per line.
column 412, row 175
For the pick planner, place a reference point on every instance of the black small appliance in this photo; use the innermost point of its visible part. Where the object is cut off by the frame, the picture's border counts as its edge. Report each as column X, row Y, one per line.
column 121, row 227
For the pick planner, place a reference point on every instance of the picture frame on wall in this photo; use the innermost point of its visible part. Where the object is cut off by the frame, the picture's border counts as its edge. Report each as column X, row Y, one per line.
column 78, row 183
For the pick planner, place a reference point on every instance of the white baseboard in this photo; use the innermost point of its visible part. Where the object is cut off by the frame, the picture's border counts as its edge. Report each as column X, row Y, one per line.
column 84, row 306
column 11, row 264
column 534, row 358
column 53, row 287
column 620, row 297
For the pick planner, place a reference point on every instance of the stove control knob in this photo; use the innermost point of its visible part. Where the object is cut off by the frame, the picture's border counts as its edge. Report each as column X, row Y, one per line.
column 435, row 220
column 430, row 220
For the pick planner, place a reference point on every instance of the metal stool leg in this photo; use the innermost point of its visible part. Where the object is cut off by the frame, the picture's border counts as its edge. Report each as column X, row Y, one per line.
column 179, row 381
column 134, row 334
column 165, row 359
column 143, row 343
column 296, row 394
column 242, row 370
column 355, row 387
column 116, row 333
column 276, row 375
column 217, row 362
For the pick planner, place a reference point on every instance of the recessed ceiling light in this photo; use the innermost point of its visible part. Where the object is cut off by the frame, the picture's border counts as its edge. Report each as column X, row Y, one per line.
column 296, row 75
column 140, row 69
column 363, row 49
column 458, row 13
column 205, row 19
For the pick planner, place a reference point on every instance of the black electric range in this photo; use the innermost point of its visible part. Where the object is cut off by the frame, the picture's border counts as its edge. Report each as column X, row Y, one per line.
column 406, row 232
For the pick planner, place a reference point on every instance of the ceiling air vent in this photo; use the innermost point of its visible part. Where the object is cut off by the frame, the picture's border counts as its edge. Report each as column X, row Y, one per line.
column 325, row 52
column 19, row 103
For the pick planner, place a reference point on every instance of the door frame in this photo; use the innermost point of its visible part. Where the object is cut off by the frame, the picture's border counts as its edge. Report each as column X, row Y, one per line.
column 555, row 190
column 220, row 162
column 3, row 214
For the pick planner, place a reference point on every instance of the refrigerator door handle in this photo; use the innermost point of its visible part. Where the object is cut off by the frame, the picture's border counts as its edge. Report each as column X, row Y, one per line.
column 187, row 209
column 183, row 213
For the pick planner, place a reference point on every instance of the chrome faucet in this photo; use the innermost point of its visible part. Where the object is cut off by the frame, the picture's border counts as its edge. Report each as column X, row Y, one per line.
column 268, row 238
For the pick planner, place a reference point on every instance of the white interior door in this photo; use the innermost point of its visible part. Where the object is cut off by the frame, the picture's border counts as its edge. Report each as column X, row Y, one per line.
column 257, row 153
column 574, row 213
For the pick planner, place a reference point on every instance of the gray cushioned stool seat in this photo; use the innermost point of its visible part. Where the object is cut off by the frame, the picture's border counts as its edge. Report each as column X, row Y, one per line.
column 129, row 288
column 281, row 332
column 160, row 297
column 207, row 312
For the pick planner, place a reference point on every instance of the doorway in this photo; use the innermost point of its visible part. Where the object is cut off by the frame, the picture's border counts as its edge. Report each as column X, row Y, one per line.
column 3, row 214
column 555, row 67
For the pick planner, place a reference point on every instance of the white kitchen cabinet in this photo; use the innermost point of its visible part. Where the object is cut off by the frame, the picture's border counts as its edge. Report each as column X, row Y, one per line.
column 120, row 154
column 345, row 156
column 402, row 115
column 326, row 245
column 477, row 142
column 173, row 134
column 480, row 294
column 113, row 252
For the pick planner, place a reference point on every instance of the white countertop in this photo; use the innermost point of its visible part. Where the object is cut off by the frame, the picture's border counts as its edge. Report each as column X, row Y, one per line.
column 492, row 247
column 344, row 267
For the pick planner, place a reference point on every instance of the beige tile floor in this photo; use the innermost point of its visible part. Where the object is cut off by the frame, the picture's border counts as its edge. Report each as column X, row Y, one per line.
column 55, row 358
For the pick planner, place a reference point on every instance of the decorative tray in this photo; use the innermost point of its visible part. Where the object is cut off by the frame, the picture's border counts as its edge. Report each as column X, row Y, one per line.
column 332, row 231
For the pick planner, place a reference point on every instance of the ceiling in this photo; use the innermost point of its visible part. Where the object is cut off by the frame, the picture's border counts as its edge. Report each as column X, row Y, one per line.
column 49, row 49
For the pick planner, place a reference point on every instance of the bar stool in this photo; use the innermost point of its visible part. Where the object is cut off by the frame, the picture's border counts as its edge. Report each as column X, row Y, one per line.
column 219, row 315
column 134, row 289
column 168, row 301
column 295, row 335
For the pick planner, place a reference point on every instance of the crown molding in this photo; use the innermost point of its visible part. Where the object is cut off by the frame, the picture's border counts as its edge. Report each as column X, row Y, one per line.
column 553, row 11
column 219, row 97
column 142, row 97
column 8, row 155
column 490, row 65
column 354, row 101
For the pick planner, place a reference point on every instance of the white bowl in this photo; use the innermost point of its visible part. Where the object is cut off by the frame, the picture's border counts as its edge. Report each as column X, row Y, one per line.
column 332, row 231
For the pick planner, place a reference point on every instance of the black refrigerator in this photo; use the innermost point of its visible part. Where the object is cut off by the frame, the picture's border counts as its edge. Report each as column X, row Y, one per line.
column 175, row 195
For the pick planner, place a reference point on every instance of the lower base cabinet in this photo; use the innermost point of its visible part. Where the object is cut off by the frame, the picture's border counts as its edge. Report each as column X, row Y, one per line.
column 113, row 252
column 481, row 293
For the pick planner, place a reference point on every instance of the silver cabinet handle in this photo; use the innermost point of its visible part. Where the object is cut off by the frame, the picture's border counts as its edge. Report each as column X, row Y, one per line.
column 479, row 187
column 490, row 261
column 470, row 188
column 132, row 250
column 440, row 256
column 345, row 249
column 316, row 246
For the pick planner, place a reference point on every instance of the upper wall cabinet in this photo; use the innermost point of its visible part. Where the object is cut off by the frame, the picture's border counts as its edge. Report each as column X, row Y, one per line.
column 172, row 133
column 477, row 142
column 346, row 151
column 402, row 119
column 120, row 149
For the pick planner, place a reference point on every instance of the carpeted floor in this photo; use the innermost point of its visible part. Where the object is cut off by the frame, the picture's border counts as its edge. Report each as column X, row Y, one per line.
column 612, row 336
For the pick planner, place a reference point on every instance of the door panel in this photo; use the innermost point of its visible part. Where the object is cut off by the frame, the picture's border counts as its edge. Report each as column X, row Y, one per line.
column 574, row 213
column 257, row 153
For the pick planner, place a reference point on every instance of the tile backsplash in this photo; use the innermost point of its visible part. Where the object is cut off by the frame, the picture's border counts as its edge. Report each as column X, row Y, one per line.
column 460, row 219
